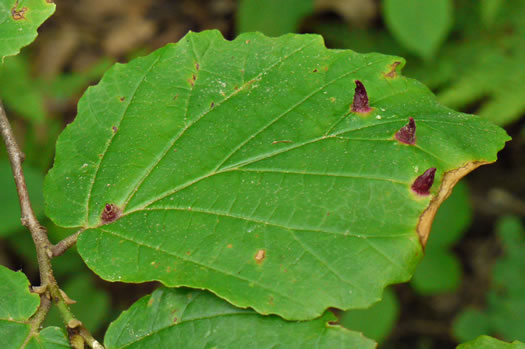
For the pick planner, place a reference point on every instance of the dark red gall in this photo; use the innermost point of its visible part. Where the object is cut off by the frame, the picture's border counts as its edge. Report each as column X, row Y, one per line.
column 110, row 213
column 360, row 104
column 423, row 183
column 407, row 133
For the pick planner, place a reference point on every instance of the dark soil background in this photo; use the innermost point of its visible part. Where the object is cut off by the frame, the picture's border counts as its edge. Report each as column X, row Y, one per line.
column 83, row 32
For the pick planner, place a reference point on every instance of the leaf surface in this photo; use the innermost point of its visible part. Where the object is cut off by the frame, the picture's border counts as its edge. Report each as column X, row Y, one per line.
column 19, row 20
column 238, row 166
column 195, row 319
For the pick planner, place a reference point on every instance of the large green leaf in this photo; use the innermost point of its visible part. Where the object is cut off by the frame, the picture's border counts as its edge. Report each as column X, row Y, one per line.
column 238, row 166
column 19, row 20
column 196, row 319
column 17, row 305
column 486, row 342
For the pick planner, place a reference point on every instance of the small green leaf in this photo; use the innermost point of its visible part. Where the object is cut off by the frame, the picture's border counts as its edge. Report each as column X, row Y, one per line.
column 242, row 169
column 421, row 26
column 17, row 305
column 196, row 319
column 272, row 17
column 10, row 213
column 19, row 20
column 486, row 342
column 49, row 338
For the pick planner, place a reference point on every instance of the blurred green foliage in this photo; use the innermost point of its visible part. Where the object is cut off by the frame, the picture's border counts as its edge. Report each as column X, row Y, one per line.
column 272, row 17
column 486, row 342
column 377, row 321
column 504, row 312
column 478, row 69
column 440, row 270
column 420, row 26
column 10, row 213
column 30, row 95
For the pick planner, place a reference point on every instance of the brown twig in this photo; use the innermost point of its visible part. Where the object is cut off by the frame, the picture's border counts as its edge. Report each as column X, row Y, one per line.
column 65, row 244
column 48, row 288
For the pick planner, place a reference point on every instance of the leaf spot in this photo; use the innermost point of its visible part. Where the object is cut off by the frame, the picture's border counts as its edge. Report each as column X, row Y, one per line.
column 229, row 246
column 360, row 104
column 407, row 133
column 212, row 105
column 392, row 73
column 122, row 99
column 260, row 256
column 197, row 66
column 114, row 128
column 423, row 183
column 110, row 213
column 315, row 70
column 175, row 320
column 18, row 14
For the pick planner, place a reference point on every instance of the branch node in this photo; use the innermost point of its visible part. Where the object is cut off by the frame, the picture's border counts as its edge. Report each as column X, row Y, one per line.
column 39, row 289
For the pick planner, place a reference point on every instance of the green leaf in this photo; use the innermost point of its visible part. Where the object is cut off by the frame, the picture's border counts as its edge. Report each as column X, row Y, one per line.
column 17, row 305
column 242, row 170
column 10, row 213
column 49, row 338
column 16, row 302
column 272, row 17
column 19, row 20
column 420, row 26
column 196, row 319
column 486, row 342
column 377, row 321
column 505, row 309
